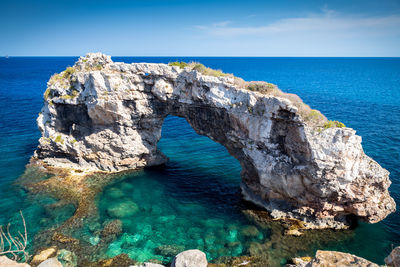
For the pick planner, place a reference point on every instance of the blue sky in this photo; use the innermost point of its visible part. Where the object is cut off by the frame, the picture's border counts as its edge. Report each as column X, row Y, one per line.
column 200, row 28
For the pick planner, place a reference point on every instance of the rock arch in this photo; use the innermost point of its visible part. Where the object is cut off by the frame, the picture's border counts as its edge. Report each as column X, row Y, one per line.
column 104, row 116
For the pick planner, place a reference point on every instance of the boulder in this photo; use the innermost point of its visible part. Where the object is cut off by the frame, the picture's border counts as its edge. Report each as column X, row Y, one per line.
column 331, row 259
column 6, row 262
column 44, row 255
column 52, row 262
column 190, row 258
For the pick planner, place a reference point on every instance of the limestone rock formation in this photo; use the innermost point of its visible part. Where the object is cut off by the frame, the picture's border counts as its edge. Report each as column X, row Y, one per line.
column 101, row 115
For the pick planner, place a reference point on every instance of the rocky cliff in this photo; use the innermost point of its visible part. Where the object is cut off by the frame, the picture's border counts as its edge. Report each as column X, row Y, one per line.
column 101, row 115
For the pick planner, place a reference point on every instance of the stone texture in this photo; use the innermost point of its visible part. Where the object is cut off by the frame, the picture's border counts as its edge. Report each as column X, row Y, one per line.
column 107, row 116
column 190, row 258
column 334, row 259
column 393, row 260
column 52, row 262
column 44, row 255
column 6, row 262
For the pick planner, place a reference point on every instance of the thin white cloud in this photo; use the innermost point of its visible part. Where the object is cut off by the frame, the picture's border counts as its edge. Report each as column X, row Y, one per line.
column 329, row 21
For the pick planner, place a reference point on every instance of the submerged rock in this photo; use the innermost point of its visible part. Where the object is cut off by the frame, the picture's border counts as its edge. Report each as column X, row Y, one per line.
column 107, row 116
column 250, row 231
column 169, row 250
column 123, row 209
column 115, row 193
column 94, row 240
column 121, row 260
column 190, row 258
column 112, row 228
column 67, row 258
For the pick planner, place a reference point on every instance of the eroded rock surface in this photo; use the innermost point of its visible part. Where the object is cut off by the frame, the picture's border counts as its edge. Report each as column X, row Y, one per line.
column 102, row 115
column 325, row 258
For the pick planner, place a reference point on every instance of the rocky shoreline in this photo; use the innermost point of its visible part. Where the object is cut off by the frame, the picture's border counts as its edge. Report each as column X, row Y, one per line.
column 51, row 257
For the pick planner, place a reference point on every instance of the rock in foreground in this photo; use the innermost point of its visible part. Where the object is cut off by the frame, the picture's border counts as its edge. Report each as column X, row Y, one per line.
column 6, row 262
column 334, row 258
column 190, row 258
column 101, row 115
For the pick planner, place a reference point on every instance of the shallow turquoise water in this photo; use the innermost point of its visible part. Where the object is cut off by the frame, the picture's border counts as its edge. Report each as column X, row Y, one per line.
column 196, row 195
column 192, row 202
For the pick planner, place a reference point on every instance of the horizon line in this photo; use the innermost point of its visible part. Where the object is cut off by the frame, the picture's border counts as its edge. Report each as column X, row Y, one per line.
column 9, row 56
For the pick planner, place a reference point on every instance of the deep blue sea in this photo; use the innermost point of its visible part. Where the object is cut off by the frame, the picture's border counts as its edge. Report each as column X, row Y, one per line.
column 194, row 200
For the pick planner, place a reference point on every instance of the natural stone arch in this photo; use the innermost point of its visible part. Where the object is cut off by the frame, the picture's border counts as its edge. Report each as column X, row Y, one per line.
column 106, row 116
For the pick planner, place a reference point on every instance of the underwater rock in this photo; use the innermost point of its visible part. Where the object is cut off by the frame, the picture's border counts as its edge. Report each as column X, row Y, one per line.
column 190, row 258
column 250, row 261
column 120, row 260
column 52, row 262
column 64, row 239
column 293, row 232
column 94, row 240
column 6, row 262
column 67, row 258
column 169, row 250
column 123, row 209
column 112, row 228
column 115, row 193
column 105, row 116
column 393, row 260
column 250, row 231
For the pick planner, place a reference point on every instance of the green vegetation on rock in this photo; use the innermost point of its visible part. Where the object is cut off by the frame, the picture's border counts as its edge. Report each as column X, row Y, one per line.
column 199, row 67
column 262, row 87
column 68, row 72
column 58, row 139
column 74, row 93
column 181, row 64
column 333, row 124
column 47, row 94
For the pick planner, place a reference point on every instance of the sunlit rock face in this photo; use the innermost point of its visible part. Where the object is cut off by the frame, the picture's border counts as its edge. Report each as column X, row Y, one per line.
column 102, row 115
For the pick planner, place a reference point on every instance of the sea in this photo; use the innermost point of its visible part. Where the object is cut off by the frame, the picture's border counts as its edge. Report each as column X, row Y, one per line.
column 194, row 200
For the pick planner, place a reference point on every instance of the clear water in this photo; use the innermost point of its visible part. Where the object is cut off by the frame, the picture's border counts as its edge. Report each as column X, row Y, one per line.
column 193, row 201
